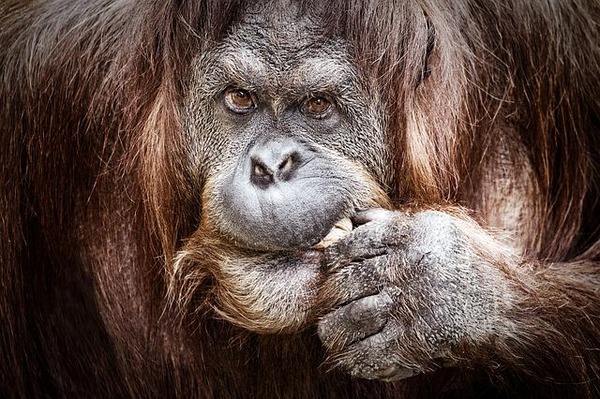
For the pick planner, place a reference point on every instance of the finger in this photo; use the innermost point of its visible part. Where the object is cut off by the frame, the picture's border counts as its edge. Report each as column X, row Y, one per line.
column 374, row 215
column 363, row 243
column 355, row 280
column 375, row 357
column 354, row 322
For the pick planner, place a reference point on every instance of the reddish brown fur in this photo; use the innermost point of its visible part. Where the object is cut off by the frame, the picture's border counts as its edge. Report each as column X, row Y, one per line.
column 95, row 200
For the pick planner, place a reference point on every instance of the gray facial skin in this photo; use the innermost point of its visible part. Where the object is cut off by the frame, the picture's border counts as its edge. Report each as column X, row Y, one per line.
column 332, row 156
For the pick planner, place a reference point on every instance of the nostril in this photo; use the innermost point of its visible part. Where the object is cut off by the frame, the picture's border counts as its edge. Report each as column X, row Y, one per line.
column 260, row 170
column 286, row 165
column 261, row 175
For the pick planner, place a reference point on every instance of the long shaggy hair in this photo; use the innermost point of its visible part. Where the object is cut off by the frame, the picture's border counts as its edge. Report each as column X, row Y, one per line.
column 95, row 202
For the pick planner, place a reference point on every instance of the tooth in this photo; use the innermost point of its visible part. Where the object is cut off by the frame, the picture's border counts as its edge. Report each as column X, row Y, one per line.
column 344, row 224
column 340, row 229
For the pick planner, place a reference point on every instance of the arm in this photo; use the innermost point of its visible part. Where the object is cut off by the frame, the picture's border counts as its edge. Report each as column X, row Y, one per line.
column 412, row 293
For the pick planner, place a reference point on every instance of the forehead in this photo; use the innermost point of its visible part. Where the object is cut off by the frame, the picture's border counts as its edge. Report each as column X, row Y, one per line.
column 282, row 48
column 279, row 29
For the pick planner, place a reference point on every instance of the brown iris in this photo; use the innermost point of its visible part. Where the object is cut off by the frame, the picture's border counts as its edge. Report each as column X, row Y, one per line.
column 239, row 101
column 316, row 107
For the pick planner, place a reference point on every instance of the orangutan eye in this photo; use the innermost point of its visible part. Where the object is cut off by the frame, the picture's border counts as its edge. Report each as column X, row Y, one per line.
column 239, row 101
column 316, row 107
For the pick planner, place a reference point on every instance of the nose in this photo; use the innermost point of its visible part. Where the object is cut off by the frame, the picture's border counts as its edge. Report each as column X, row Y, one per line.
column 274, row 161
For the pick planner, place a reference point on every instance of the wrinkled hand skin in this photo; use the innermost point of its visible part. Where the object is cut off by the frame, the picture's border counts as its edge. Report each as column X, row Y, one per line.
column 404, row 293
